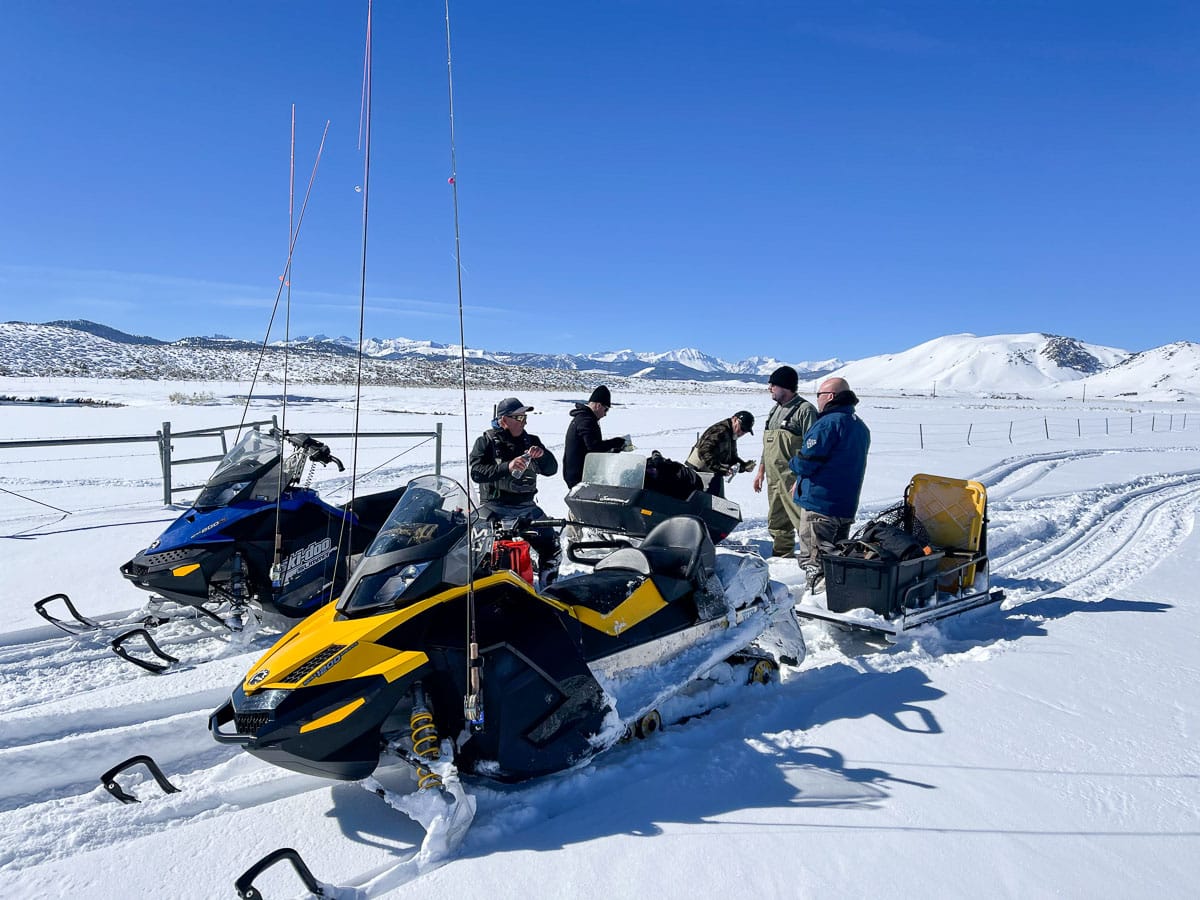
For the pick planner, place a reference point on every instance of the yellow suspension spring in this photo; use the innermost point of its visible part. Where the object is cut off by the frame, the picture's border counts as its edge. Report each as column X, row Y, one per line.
column 425, row 745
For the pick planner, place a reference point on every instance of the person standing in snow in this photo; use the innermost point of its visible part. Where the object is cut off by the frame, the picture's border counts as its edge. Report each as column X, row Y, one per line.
column 584, row 435
column 829, row 469
column 783, row 436
column 716, row 451
column 505, row 462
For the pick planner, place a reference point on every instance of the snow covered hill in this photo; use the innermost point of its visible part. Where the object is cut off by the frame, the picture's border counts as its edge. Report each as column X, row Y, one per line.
column 999, row 364
column 50, row 351
column 965, row 364
column 1170, row 371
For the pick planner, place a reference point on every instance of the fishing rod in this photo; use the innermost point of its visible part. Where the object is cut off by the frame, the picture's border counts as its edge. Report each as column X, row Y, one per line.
column 364, row 132
column 277, row 557
column 473, row 701
column 284, row 279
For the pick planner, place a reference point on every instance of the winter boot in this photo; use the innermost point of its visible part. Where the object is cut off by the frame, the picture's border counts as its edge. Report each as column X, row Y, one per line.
column 814, row 578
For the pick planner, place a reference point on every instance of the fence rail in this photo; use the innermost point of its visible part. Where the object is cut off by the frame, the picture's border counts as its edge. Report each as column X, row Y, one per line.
column 165, row 438
column 927, row 435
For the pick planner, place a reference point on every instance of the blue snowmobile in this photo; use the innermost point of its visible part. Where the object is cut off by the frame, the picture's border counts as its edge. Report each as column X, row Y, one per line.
column 257, row 535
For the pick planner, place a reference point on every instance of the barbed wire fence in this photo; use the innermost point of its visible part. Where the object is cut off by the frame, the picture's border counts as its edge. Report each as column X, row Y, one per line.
column 929, row 435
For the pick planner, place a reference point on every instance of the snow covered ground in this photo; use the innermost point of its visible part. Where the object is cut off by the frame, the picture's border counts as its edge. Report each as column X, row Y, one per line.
column 1045, row 747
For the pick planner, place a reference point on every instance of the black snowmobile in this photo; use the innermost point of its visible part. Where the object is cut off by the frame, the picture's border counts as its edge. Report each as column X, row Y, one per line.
column 628, row 494
column 255, row 534
column 518, row 683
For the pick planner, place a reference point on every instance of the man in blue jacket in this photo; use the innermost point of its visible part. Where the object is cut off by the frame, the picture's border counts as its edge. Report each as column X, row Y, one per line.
column 829, row 467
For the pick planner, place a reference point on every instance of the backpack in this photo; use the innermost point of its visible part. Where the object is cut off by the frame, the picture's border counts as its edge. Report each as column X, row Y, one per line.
column 671, row 478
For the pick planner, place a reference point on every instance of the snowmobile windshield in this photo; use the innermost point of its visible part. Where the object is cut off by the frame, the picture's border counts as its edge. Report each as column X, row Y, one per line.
column 615, row 469
column 421, row 548
column 251, row 461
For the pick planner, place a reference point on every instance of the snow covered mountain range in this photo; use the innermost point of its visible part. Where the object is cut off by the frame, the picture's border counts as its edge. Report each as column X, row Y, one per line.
column 1009, row 364
column 687, row 364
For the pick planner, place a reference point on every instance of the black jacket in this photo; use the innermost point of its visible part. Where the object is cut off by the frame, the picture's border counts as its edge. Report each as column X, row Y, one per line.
column 584, row 437
column 489, row 466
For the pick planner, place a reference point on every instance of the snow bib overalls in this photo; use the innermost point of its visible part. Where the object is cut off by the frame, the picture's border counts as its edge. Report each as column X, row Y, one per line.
column 783, row 435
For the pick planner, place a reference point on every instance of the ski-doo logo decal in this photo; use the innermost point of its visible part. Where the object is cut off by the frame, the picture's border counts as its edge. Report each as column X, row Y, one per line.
column 306, row 557
column 259, row 677
column 810, row 443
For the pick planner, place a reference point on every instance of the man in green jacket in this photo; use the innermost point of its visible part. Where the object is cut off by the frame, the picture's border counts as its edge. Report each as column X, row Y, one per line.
column 716, row 451
column 783, row 436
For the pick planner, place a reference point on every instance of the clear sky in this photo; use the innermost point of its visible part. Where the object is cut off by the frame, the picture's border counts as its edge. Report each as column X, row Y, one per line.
column 799, row 180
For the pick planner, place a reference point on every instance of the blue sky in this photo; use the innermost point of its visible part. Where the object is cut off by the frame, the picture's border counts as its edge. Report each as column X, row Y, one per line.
column 798, row 180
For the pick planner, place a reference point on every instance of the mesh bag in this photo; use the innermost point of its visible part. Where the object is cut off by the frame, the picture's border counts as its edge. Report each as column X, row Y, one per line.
column 899, row 516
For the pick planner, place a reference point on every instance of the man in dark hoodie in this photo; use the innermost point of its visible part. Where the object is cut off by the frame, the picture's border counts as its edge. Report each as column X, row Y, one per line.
column 584, row 437
column 829, row 467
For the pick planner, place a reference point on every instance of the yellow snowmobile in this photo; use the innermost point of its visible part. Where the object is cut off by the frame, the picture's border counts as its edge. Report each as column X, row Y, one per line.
column 435, row 649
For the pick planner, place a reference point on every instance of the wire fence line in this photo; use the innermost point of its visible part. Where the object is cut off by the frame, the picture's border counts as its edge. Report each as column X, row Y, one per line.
column 925, row 435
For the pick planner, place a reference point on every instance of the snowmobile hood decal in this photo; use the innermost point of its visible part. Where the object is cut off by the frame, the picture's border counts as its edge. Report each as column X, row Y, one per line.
column 644, row 602
column 365, row 655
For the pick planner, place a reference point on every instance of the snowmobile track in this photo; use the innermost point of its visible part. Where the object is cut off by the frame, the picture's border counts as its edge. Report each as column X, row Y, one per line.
column 1097, row 539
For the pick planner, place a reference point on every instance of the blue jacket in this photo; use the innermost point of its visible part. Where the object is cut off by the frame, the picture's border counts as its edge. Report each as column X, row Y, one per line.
column 832, row 461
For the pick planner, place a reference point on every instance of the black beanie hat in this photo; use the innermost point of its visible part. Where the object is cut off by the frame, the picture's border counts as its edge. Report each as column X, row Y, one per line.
column 786, row 378
column 602, row 396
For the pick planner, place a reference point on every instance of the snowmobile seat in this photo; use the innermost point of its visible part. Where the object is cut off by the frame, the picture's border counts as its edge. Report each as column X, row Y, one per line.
column 628, row 559
column 677, row 548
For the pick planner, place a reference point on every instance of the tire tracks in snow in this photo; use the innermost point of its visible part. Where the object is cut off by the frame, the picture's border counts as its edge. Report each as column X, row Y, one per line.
column 1093, row 540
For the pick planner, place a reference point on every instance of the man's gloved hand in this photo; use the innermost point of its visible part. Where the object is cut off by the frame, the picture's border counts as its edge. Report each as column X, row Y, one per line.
column 628, row 444
column 748, row 466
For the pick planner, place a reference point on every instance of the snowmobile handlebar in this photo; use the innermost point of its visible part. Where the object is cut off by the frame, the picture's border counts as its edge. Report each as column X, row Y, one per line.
column 524, row 528
column 315, row 450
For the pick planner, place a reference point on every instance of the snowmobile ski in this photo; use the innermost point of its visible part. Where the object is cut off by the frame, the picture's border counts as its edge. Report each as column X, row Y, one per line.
column 118, row 647
column 245, row 882
column 109, row 778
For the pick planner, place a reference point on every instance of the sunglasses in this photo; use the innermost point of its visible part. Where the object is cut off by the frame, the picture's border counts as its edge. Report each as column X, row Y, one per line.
column 520, row 418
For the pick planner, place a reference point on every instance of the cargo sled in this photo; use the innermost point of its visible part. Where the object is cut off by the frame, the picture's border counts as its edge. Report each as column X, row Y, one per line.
column 627, row 494
column 918, row 562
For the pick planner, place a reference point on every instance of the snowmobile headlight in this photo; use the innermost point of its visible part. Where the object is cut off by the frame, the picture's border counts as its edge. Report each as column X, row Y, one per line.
column 261, row 701
column 409, row 573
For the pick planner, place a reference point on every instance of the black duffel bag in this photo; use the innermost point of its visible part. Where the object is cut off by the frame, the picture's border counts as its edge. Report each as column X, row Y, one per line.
column 879, row 540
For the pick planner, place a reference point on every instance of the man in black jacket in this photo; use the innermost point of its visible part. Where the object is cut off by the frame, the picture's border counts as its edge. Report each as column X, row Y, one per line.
column 505, row 462
column 584, row 437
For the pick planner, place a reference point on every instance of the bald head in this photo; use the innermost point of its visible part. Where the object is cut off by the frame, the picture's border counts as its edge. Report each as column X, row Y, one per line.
column 829, row 389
